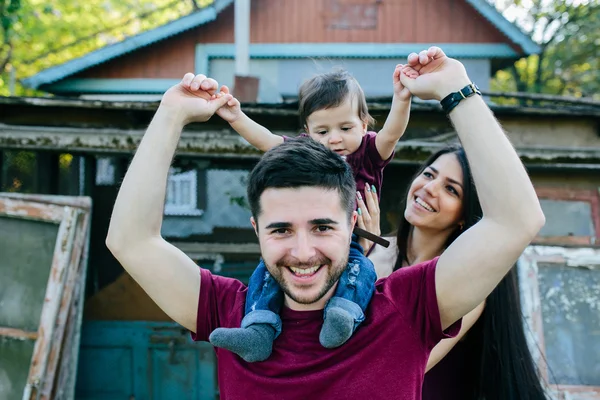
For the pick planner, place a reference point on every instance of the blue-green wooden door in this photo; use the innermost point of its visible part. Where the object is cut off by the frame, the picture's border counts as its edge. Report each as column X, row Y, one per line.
column 143, row 361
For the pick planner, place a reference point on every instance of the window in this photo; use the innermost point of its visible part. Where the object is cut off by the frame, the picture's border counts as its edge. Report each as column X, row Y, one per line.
column 182, row 193
column 572, row 216
column 560, row 296
column 105, row 171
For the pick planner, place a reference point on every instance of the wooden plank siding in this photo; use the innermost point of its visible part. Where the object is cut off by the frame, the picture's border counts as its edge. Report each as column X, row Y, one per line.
column 311, row 21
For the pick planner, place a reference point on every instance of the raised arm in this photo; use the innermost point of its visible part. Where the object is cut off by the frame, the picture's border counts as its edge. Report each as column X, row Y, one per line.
column 169, row 277
column 397, row 119
column 478, row 259
column 256, row 134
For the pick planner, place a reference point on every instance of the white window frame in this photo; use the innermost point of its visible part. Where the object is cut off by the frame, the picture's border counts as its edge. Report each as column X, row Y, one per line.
column 531, row 304
column 184, row 208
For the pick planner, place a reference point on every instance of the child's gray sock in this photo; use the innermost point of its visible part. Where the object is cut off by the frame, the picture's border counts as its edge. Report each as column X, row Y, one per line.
column 337, row 327
column 254, row 343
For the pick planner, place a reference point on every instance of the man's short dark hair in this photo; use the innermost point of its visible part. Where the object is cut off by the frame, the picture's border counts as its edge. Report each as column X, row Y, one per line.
column 329, row 90
column 301, row 162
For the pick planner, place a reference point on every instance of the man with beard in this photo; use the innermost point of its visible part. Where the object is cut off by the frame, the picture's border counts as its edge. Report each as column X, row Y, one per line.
column 302, row 203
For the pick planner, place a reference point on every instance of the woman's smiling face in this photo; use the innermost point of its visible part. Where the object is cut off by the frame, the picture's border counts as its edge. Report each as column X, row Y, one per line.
column 435, row 197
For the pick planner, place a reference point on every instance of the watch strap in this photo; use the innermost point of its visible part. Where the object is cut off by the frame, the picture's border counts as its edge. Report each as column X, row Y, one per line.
column 449, row 102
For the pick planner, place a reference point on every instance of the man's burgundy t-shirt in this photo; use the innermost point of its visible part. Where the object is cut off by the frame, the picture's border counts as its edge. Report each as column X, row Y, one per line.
column 384, row 359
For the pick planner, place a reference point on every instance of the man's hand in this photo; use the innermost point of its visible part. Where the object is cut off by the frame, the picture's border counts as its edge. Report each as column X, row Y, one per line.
column 231, row 111
column 401, row 93
column 433, row 75
column 192, row 99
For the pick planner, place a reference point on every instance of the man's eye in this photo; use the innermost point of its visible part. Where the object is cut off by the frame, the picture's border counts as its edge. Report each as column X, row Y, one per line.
column 281, row 231
column 323, row 228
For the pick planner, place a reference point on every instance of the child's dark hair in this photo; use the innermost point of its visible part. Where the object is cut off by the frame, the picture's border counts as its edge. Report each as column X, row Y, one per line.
column 329, row 90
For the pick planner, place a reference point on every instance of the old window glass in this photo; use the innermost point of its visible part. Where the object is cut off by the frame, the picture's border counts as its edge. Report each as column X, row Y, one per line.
column 560, row 296
column 567, row 218
column 22, row 291
column 570, row 300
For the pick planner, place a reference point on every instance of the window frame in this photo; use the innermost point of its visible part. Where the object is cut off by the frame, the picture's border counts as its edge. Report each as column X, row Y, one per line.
column 591, row 196
column 56, row 341
column 531, row 301
column 192, row 209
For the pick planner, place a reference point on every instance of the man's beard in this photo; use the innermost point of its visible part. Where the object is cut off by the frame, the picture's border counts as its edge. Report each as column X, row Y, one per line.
column 333, row 275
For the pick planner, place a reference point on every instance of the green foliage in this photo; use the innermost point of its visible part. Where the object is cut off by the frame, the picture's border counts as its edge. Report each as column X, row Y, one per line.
column 568, row 32
column 8, row 17
column 18, row 171
column 45, row 33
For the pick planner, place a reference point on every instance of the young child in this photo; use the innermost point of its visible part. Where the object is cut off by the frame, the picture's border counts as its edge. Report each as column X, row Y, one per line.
column 333, row 111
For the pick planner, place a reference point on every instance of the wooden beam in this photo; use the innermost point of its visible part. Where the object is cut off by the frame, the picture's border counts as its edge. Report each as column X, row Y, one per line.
column 57, row 282
column 229, row 146
column 47, row 171
column 544, row 97
column 196, row 248
column 17, row 334
column 89, row 175
column 1, row 170
column 30, row 210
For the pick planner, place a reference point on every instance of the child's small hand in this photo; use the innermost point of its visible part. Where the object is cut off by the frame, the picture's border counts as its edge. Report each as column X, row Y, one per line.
column 232, row 110
column 400, row 91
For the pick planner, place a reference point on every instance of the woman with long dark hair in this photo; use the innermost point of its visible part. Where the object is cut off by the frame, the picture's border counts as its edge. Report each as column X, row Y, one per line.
column 489, row 359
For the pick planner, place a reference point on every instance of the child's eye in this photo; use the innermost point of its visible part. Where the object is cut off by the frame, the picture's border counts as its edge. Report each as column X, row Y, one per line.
column 346, row 128
column 321, row 132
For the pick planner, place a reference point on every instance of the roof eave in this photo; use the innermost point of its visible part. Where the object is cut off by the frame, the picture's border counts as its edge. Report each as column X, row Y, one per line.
column 509, row 29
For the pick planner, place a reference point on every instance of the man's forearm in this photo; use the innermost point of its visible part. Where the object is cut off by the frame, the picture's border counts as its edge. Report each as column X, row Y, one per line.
column 504, row 188
column 256, row 134
column 138, row 210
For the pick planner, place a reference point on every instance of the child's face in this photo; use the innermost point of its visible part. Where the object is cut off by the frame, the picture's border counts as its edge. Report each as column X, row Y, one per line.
column 338, row 128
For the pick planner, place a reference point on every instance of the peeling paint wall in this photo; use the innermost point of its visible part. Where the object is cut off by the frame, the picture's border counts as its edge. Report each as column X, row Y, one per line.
column 552, row 131
column 226, row 194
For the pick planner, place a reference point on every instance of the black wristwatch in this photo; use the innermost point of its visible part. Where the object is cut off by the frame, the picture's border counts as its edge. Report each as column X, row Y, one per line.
column 449, row 102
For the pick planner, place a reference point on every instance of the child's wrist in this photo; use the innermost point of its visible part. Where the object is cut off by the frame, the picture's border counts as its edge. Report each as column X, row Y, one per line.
column 237, row 119
column 398, row 102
